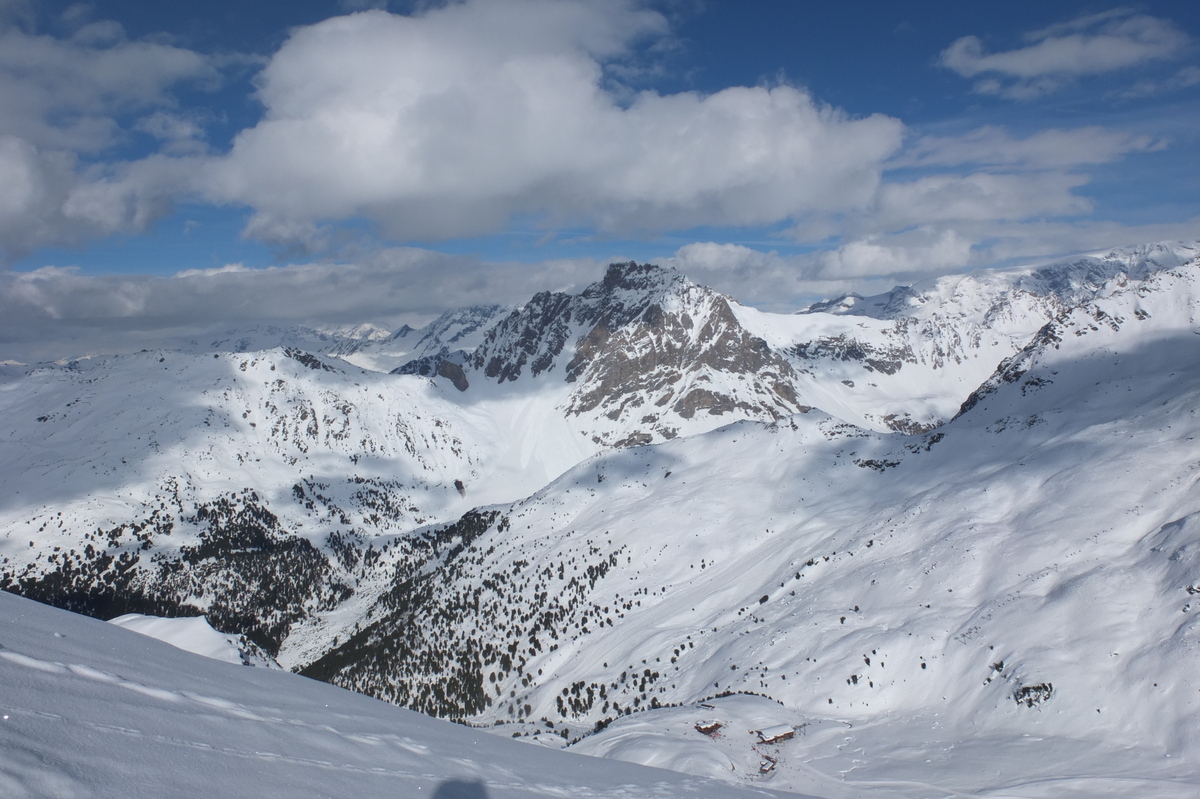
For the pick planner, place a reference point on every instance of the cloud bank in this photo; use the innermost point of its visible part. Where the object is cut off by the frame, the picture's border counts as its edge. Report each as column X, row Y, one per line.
column 479, row 116
column 454, row 122
column 54, row 312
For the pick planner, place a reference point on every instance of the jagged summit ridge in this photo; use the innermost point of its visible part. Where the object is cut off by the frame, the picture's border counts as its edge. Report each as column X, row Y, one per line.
column 647, row 354
column 534, row 336
column 646, row 351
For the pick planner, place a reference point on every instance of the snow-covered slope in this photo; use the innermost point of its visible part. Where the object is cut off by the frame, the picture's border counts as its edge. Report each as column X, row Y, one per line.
column 247, row 487
column 450, row 336
column 91, row 710
column 1028, row 570
column 194, row 634
column 364, row 345
column 905, row 360
column 1025, row 570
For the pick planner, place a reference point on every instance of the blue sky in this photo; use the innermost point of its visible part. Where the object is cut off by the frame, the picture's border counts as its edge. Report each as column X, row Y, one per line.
column 483, row 149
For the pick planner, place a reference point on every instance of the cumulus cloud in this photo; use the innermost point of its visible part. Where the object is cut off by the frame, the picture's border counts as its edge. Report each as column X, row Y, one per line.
column 451, row 122
column 867, row 263
column 1088, row 45
column 934, row 250
column 785, row 283
column 455, row 119
column 941, row 214
column 64, row 93
column 922, row 250
column 180, row 133
column 763, row 279
column 62, row 101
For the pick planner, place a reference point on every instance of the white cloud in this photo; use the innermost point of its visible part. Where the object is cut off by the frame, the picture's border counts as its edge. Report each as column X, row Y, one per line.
column 227, row 269
column 16, row 12
column 1088, row 45
column 979, row 197
column 1185, row 78
column 61, row 102
column 938, row 213
column 1021, row 241
column 1047, row 149
column 452, row 122
column 945, row 223
column 180, row 133
column 923, row 250
column 65, row 93
column 765, row 280
column 1014, row 187
column 874, row 262
column 56, row 312
column 943, row 249
column 59, row 312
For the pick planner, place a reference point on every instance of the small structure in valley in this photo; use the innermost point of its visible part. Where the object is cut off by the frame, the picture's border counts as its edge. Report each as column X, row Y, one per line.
column 708, row 727
column 775, row 734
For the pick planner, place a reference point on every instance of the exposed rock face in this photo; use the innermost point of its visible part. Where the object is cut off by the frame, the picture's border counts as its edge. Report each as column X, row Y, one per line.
column 646, row 348
column 533, row 336
column 675, row 359
column 441, row 365
column 454, row 373
column 448, row 339
column 887, row 360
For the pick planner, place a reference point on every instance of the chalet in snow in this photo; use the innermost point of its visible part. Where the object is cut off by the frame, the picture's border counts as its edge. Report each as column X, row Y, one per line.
column 776, row 734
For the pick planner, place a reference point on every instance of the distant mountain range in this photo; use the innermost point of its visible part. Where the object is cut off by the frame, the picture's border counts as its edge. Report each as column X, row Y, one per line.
column 966, row 509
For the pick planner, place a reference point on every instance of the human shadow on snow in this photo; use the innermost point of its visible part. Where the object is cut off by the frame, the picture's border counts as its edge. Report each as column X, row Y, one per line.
column 459, row 789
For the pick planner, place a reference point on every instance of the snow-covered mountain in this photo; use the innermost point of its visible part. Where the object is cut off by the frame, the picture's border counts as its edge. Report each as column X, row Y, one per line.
column 1018, row 561
column 1027, row 570
column 450, row 336
column 645, row 354
column 904, row 360
column 365, row 345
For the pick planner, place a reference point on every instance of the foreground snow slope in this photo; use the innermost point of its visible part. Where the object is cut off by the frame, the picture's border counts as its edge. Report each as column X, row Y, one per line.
column 91, row 710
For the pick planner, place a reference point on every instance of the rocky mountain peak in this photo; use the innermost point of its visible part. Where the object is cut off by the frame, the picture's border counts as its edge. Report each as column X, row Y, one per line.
column 532, row 338
column 647, row 350
column 632, row 276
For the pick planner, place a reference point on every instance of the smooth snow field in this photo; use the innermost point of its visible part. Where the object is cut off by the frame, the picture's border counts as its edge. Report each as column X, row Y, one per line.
column 92, row 710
